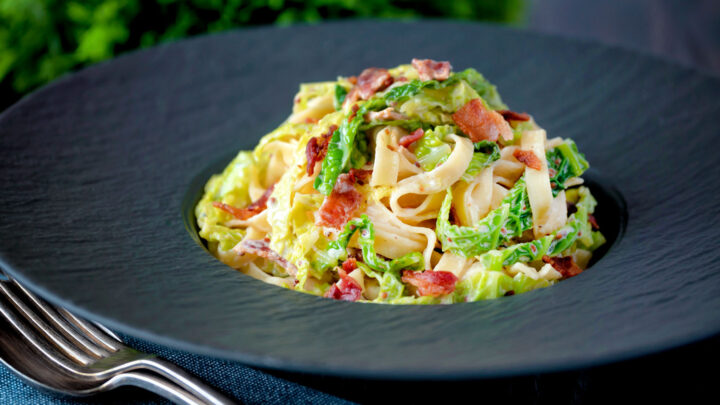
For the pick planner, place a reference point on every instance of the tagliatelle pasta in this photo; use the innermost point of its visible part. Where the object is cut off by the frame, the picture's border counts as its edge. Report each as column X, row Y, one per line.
column 413, row 185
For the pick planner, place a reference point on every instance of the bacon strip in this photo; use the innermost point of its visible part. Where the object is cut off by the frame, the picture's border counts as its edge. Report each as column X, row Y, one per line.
column 353, row 112
column 528, row 158
column 513, row 116
column 345, row 289
column 429, row 69
column 349, row 265
column 360, row 176
column 388, row 114
column 260, row 248
column 407, row 140
column 565, row 265
column 340, row 205
column 370, row 81
column 480, row 124
column 353, row 96
column 312, row 154
column 316, row 149
column 251, row 210
column 431, row 283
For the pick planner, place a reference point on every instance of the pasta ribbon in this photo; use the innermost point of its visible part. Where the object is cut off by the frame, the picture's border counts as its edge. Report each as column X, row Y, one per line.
column 509, row 220
column 439, row 178
column 376, row 176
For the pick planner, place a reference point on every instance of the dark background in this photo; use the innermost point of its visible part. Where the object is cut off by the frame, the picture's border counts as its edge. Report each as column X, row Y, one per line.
column 42, row 40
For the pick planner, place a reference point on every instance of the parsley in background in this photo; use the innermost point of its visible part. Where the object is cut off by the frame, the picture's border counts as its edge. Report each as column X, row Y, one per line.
column 42, row 39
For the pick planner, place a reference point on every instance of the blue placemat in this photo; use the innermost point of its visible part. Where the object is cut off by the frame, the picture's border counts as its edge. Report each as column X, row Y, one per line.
column 245, row 384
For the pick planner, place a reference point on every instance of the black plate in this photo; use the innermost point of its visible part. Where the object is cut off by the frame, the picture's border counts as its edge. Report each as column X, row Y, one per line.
column 99, row 169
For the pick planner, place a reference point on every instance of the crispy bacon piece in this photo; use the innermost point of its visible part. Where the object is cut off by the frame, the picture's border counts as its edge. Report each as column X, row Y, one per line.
column 480, row 124
column 251, row 210
column 360, row 176
column 345, row 289
column 407, row 140
column 388, row 114
column 431, row 283
column 372, row 80
column 513, row 116
column 429, row 69
column 239, row 213
column 528, row 158
column 354, row 110
column 565, row 265
column 260, row 248
column 317, row 148
column 342, row 202
column 312, row 153
column 593, row 222
column 349, row 265
column 353, row 96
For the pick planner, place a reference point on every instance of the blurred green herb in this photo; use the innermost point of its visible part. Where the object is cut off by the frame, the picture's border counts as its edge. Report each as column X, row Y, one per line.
column 42, row 39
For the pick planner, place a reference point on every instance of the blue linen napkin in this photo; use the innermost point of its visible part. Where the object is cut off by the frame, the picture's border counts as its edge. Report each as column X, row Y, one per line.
column 245, row 384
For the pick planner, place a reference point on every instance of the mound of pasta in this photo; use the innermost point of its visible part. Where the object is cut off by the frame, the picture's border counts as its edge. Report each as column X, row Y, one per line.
column 412, row 185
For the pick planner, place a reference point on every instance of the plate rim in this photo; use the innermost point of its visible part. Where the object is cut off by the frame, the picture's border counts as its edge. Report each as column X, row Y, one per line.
column 289, row 365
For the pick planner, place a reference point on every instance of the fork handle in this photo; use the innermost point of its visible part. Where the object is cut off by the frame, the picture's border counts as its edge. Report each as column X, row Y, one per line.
column 153, row 384
column 183, row 379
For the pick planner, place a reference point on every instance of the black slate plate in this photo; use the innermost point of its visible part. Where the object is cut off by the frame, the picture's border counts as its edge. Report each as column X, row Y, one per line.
column 99, row 171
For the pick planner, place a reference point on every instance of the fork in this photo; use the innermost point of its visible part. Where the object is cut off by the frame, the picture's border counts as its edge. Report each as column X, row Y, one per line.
column 17, row 354
column 91, row 353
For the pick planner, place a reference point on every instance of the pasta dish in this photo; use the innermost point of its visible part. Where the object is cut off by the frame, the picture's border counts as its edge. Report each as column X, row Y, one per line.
column 411, row 185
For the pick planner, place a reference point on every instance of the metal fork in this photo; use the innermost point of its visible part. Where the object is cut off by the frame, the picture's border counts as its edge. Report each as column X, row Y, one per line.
column 92, row 354
column 18, row 355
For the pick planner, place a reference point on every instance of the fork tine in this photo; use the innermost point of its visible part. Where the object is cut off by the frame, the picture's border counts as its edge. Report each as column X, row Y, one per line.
column 93, row 341
column 51, row 314
column 56, row 350
column 41, row 343
column 109, row 333
column 100, row 335
column 55, row 338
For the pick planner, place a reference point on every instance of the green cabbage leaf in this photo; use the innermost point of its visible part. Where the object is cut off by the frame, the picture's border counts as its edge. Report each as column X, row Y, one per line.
column 564, row 162
column 229, row 187
column 337, row 249
column 451, row 94
column 340, row 94
column 309, row 91
column 507, row 221
column 431, row 150
column 486, row 153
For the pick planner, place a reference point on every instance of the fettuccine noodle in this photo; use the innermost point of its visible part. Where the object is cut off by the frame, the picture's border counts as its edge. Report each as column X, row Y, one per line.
column 413, row 185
